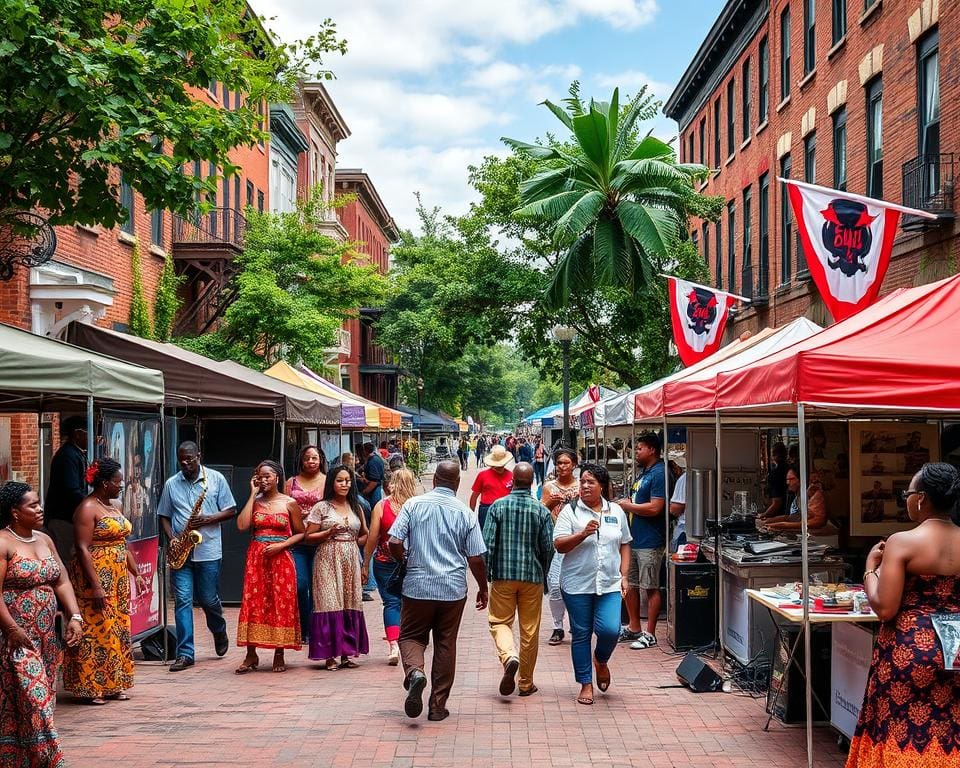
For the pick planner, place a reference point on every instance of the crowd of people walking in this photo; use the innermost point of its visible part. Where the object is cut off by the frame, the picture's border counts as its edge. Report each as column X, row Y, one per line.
column 318, row 538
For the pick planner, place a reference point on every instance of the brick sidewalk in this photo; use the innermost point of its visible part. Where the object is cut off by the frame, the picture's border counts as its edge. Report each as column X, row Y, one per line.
column 308, row 716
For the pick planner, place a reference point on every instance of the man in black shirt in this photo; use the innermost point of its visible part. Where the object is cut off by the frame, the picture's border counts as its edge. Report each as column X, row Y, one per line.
column 777, row 482
column 68, row 484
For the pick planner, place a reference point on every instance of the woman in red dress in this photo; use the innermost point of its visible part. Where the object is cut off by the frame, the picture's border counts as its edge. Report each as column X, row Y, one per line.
column 911, row 709
column 268, row 610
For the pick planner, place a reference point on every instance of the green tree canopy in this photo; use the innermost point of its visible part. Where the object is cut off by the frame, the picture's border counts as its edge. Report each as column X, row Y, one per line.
column 295, row 288
column 96, row 85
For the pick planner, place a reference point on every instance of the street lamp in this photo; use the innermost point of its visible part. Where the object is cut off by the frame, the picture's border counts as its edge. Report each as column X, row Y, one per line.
column 520, row 412
column 566, row 336
column 419, row 409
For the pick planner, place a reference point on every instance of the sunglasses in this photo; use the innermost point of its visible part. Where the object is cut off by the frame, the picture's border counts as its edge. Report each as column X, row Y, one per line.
column 907, row 494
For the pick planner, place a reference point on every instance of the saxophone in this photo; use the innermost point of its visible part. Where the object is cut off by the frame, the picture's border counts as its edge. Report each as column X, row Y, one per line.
column 180, row 547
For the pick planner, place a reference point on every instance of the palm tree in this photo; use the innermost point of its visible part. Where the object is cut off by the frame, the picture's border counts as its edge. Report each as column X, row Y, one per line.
column 613, row 204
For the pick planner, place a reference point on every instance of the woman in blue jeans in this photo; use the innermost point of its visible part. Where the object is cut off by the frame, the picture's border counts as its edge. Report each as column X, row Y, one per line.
column 594, row 538
column 306, row 488
column 403, row 485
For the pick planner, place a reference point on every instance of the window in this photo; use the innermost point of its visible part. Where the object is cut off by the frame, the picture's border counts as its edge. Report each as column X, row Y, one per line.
column 126, row 200
column 809, row 36
column 695, row 240
column 225, row 213
column 260, row 201
column 745, row 100
column 250, row 194
column 690, row 147
column 705, row 236
column 875, row 138
column 213, row 88
column 840, row 149
column 703, row 140
column 786, row 223
column 810, row 158
column 718, row 227
column 929, row 117
column 764, row 100
column 747, row 241
column 839, row 20
column 716, row 134
column 212, row 172
column 226, row 97
column 785, row 53
column 731, row 118
column 763, row 264
column 156, row 228
column 731, row 246
column 236, row 194
column 868, row 3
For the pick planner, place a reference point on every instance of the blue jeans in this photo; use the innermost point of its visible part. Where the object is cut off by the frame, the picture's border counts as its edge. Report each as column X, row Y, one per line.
column 200, row 580
column 303, row 560
column 482, row 513
column 391, row 603
column 592, row 614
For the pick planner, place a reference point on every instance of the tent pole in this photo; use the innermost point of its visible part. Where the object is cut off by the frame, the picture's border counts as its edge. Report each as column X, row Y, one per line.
column 719, row 546
column 91, row 437
column 805, row 560
column 667, row 487
column 283, row 442
column 161, row 559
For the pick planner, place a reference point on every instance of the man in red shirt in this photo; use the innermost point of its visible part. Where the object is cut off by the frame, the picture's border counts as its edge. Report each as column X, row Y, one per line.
column 493, row 483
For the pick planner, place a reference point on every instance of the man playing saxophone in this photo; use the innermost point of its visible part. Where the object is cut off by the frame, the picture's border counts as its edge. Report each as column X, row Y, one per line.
column 196, row 498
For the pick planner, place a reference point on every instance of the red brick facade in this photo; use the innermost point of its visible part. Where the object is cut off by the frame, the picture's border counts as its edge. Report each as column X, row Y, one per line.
column 883, row 44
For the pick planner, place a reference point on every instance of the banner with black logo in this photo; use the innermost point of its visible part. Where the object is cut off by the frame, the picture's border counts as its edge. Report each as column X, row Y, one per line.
column 698, row 315
column 847, row 240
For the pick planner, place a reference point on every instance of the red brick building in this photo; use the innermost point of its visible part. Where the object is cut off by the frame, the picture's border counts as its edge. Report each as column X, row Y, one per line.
column 366, row 369
column 849, row 94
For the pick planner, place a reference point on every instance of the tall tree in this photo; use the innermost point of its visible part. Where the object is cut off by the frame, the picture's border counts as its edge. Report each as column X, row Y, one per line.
column 294, row 289
column 613, row 205
column 94, row 85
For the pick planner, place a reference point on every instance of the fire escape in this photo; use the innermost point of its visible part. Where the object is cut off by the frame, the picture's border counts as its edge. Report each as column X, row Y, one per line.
column 204, row 249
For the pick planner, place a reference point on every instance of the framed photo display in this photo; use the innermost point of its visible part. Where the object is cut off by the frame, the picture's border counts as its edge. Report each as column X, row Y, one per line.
column 885, row 456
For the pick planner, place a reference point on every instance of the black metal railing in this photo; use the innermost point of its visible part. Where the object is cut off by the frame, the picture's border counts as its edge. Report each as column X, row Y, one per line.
column 216, row 227
column 199, row 316
column 928, row 183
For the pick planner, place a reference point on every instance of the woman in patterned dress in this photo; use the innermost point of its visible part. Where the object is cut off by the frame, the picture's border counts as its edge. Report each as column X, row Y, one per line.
column 101, row 666
column 337, row 525
column 556, row 493
column 32, row 580
column 911, row 709
column 268, row 609
column 306, row 489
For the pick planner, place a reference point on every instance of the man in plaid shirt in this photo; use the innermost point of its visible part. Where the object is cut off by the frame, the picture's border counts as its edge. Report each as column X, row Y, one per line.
column 518, row 533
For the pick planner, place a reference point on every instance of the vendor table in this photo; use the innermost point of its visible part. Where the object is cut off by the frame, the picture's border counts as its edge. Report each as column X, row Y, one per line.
column 794, row 614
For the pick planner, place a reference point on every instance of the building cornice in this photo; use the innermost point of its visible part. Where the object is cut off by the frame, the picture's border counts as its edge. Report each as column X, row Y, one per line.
column 356, row 180
column 283, row 125
column 317, row 100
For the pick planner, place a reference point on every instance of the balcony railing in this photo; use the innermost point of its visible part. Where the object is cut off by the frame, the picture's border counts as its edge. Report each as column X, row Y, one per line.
column 928, row 186
column 341, row 346
column 220, row 226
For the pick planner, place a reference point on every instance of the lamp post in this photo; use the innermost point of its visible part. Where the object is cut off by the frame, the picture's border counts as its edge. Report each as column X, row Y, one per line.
column 419, row 411
column 565, row 335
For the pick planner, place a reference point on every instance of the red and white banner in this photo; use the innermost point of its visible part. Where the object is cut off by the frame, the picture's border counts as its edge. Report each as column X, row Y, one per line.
column 847, row 240
column 698, row 315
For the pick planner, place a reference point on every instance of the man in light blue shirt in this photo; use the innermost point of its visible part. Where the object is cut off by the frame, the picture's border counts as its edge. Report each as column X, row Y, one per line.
column 200, row 575
column 439, row 537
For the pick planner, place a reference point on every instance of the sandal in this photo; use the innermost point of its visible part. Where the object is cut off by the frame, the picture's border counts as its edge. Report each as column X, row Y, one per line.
column 348, row 664
column 603, row 675
column 331, row 665
column 117, row 697
column 95, row 702
column 584, row 700
column 278, row 663
column 247, row 667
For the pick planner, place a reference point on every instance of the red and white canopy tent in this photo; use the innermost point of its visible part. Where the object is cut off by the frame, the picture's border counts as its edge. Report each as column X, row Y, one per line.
column 892, row 358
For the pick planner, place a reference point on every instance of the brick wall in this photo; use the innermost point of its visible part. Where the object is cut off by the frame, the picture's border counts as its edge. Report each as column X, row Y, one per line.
column 917, row 258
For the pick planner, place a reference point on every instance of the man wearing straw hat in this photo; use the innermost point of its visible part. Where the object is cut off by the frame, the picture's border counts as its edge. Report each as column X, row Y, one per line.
column 492, row 483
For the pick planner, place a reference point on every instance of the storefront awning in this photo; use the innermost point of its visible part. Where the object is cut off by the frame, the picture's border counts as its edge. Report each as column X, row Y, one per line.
column 426, row 421
column 196, row 381
column 39, row 373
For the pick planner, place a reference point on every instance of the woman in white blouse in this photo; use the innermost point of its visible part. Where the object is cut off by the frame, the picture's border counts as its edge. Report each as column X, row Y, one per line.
column 594, row 538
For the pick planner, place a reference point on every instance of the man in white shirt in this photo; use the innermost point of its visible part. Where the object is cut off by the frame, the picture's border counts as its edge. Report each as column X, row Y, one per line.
column 678, row 506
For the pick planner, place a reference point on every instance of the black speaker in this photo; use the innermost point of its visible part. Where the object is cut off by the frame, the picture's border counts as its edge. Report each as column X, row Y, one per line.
column 151, row 644
column 698, row 674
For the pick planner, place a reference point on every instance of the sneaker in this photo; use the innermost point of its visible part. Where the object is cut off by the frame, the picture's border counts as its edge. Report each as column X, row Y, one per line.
column 626, row 636
column 508, row 683
column 394, row 658
column 556, row 638
column 646, row 641
column 221, row 643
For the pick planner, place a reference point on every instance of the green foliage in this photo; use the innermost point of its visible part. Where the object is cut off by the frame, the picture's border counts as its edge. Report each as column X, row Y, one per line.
column 415, row 459
column 613, row 205
column 295, row 288
column 139, row 324
column 93, row 86
column 166, row 303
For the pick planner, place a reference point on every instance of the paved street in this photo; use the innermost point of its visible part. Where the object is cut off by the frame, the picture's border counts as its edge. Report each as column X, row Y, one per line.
column 308, row 716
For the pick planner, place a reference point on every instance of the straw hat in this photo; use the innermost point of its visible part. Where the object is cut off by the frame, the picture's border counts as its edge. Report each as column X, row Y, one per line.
column 498, row 457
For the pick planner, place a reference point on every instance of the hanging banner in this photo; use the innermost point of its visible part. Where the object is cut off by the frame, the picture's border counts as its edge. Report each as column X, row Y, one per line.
column 134, row 441
column 847, row 240
column 699, row 315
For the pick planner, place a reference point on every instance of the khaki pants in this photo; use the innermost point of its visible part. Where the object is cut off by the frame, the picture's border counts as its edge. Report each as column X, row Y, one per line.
column 525, row 601
column 418, row 620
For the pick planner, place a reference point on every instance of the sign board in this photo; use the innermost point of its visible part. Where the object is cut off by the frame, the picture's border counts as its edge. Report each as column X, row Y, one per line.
column 852, row 649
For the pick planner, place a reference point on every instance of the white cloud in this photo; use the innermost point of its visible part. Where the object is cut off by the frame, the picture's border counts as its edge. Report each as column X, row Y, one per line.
column 632, row 80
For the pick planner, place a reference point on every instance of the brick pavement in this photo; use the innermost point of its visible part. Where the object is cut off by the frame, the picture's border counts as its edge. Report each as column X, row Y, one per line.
column 308, row 716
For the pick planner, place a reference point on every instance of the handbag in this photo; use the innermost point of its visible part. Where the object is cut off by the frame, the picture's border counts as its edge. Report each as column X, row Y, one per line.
column 394, row 584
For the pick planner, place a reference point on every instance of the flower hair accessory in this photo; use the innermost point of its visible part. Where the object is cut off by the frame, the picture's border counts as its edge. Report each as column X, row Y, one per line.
column 92, row 472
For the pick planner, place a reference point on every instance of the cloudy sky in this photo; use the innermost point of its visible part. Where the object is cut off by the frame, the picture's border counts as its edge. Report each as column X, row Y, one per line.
column 429, row 86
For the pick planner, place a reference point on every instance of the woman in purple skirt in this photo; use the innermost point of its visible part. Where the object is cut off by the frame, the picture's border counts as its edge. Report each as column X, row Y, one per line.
column 337, row 526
